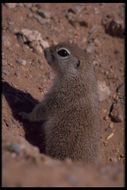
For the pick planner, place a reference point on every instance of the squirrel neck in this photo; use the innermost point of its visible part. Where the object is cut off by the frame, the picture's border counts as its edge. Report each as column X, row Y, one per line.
column 70, row 84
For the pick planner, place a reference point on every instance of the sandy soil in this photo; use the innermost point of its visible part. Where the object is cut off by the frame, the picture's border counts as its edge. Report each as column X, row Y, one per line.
column 26, row 30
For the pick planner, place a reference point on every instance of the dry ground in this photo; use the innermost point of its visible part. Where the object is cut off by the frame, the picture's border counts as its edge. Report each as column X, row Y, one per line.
column 26, row 76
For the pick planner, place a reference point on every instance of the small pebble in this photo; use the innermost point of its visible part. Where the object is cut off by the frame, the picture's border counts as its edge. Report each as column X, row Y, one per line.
column 110, row 136
column 115, row 113
column 122, row 156
column 106, row 118
column 43, row 13
column 14, row 148
column 113, row 159
column 11, row 5
column 111, row 125
column 21, row 61
column 104, row 91
column 72, row 179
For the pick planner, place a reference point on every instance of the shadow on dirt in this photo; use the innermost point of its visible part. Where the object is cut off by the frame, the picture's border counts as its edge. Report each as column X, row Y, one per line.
column 20, row 101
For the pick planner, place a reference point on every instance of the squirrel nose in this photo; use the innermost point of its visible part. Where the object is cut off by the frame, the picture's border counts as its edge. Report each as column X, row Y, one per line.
column 46, row 51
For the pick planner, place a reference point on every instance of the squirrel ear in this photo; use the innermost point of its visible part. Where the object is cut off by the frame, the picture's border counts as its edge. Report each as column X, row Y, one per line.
column 78, row 64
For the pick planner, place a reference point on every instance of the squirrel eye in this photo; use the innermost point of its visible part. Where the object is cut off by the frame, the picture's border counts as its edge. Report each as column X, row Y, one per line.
column 63, row 52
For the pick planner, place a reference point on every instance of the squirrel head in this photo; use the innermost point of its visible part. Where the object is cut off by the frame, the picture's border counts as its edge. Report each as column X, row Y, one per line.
column 67, row 58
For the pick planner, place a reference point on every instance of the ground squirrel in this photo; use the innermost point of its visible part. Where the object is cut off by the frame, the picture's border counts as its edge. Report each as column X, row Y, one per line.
column 71, row 107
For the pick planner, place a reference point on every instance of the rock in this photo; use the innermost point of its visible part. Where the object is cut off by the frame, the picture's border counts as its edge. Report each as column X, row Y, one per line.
column 73, row 180
column 40, row 19
column 104, row 91
column 83, row 23
column 44, row 14
column 90, row 47
column 6, row 41
column 121, row 93
column 122, row 156
column 11, row 5
column 70, row 15
column 29, row 5
column 116, row 112
column 96, row 11
column 33, row 39
column 21, row 61
column 44, row 43
column 14, row 148
column 113, row 27
column 71, row 10
column 75, row 19
column 92, row 39
column 116, row 51
column 97, row 43
column 111, row 125
column 79, row 8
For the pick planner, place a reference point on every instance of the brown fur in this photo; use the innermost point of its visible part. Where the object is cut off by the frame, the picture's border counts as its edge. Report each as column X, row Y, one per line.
column 70, row 108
